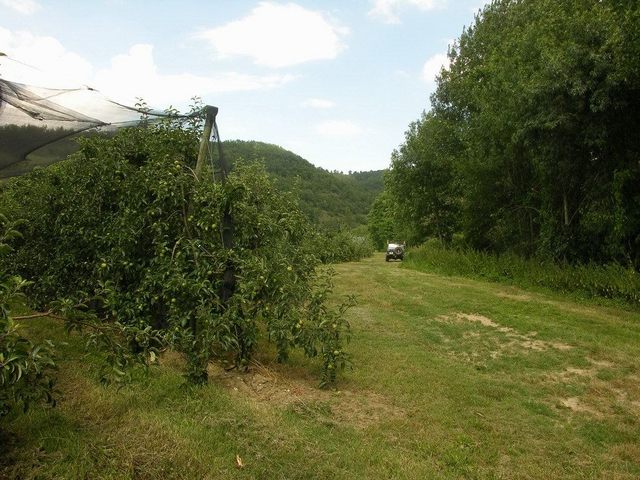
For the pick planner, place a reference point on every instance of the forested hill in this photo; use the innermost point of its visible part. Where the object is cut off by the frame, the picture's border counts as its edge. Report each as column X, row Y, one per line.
column 330, row 199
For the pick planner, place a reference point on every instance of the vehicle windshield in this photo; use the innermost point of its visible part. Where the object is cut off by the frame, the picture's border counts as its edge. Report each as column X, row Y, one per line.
column 393, row 246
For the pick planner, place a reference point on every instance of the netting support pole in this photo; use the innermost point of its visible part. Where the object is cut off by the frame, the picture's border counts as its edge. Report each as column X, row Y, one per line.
column 210, row 118
column 228, row 286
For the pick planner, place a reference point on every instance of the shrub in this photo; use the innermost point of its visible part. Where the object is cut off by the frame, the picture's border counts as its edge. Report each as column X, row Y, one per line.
column 124, row 226
column 24, row 367
column 343, row 246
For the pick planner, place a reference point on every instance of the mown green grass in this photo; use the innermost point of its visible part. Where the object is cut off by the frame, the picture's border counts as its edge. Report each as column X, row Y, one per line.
column 546, row 388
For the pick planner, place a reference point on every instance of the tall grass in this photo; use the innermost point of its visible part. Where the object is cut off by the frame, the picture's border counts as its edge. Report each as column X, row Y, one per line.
column 609, row 281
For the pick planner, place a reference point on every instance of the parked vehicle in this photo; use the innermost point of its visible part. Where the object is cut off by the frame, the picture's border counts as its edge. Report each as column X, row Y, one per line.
column 395, row 251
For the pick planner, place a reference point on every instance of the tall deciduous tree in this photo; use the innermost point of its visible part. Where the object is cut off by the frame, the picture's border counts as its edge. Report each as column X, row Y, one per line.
column 422, row 179
column 532, row 136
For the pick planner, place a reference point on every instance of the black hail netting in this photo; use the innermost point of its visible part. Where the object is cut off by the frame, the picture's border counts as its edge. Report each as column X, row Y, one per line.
column 38, row 125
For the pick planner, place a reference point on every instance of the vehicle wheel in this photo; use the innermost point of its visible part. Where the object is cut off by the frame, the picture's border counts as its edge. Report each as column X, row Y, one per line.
column 386, row 259
column 398, row 252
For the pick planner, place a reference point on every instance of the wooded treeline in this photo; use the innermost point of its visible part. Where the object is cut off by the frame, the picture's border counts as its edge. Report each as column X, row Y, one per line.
column 532, row 141
column 331, row 200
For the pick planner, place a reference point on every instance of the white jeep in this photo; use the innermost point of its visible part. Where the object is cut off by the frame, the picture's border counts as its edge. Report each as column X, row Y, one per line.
column 394, row 251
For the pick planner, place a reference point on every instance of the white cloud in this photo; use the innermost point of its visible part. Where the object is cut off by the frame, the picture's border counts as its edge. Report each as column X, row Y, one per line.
column 338, row 128
column 432, row 67
column 135, row 74
column 130, row 75
column 319, row 103
column 25, row 7
column 47, row 54
column 387, row 10
column 278, row 35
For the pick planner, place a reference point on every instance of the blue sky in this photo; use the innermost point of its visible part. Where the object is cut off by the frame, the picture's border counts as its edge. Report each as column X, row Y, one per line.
column 337, row 82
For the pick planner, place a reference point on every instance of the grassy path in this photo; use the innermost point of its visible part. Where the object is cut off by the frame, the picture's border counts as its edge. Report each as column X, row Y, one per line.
column 453, row 378
column 501, row 382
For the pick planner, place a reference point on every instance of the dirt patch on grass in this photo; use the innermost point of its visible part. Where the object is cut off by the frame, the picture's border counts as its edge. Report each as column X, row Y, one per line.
column 575, row 405
column 511, row 340
column 586, row 373
column 173, row 360
column 600, row 398
column 571, row 374
column 362, row 409
column 601, row 363
column 482, row 320
column 267, row 387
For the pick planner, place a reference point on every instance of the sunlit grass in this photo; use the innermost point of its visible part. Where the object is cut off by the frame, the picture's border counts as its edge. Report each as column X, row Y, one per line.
column 452, row 378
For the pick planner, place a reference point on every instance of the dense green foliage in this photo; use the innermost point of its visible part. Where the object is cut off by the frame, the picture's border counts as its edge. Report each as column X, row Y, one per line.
column 124, row 227
column 531, row 144
column 24, row 367
column 383, row 224
column 423, row 188
column 331, row 200
column 335, row 203
column 343, row 245
column 591, row 280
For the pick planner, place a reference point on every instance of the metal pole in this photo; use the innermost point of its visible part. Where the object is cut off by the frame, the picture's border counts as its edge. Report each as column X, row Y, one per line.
column 225, row 168
column 210, row 118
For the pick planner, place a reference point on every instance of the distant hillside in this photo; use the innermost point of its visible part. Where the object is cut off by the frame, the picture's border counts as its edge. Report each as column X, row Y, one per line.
column 329, row 198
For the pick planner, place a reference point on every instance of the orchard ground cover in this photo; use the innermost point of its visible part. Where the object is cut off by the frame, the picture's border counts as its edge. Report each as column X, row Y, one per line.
column 452, row 378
